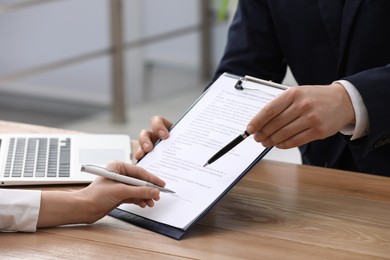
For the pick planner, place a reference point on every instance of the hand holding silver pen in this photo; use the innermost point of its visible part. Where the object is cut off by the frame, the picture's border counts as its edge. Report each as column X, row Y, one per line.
column 100, row 171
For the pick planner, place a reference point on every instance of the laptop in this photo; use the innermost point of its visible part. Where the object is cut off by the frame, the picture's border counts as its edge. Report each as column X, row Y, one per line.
column 37, row 159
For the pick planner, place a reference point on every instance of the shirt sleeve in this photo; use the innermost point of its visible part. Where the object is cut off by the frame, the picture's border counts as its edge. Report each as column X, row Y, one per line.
column 360, row 128
column 19, row 209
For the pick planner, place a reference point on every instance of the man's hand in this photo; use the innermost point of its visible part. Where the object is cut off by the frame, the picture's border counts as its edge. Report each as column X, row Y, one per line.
column 302, row 114
column 146, row 139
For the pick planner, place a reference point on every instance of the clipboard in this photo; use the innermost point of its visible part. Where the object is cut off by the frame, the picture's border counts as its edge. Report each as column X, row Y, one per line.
column 160, row 220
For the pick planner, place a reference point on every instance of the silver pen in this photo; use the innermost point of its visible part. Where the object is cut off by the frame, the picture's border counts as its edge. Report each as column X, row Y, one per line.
column 100, row 171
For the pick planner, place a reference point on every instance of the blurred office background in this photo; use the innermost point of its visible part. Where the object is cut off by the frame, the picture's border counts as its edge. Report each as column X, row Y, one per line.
column 56, row 61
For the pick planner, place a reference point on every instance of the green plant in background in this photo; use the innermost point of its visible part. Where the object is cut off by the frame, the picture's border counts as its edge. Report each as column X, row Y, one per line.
column 225, row 8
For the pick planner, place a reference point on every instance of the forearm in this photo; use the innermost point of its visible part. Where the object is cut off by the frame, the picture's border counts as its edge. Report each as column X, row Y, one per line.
column 95, row 201
column 62, row 207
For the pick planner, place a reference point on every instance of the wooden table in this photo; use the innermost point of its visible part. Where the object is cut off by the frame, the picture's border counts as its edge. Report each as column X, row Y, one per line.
column 278, row 210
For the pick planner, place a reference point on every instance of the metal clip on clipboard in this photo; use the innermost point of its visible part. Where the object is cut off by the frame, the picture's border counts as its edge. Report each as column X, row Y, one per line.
column 239, row 85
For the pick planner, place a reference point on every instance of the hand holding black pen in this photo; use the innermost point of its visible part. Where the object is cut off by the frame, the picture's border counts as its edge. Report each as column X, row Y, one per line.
column 227, row 148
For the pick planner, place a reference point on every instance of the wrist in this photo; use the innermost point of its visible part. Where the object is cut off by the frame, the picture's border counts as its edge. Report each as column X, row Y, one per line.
column 63, row 207
column 348, row 111
column 86, row 205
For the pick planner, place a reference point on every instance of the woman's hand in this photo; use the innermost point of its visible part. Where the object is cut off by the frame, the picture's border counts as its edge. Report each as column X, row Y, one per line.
column 99, row 198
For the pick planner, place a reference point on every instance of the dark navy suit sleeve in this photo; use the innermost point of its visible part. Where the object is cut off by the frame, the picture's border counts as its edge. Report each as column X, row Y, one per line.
column 322, row 41
column 366, row 65
column 252, row 45
column 374, row 87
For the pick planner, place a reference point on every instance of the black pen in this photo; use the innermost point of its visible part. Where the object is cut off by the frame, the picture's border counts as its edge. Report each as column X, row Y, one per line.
column 227, row 148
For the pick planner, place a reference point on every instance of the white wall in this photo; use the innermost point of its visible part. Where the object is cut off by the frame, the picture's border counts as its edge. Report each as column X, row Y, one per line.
column 50, row 32
column 58, row 30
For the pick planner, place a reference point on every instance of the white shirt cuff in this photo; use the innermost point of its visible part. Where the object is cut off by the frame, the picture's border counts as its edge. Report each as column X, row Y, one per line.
column 361, row 126
column 19, row 209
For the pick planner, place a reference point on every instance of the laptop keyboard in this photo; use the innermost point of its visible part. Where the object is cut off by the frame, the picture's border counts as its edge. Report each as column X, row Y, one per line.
column 38, row 157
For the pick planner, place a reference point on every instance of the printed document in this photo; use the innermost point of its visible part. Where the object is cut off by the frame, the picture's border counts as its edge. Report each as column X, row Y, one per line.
column 217, row 117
